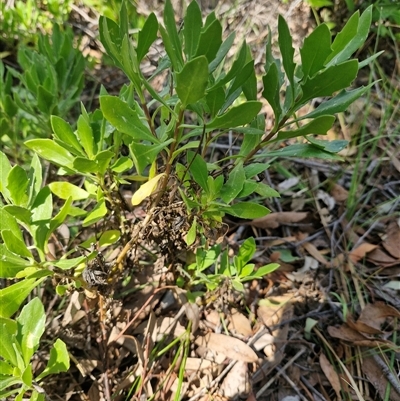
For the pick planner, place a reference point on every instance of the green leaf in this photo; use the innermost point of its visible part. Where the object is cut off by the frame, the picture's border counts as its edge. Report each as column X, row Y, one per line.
column 43, row 206
column 266, row 191
column 7, row 350
column 12, row 296
column 222, row 52
column 31, row 324
column 103, row 160
column 191, row 29
column 271, row 90
column 172, row 33
column 15, row 244
column 338, row 103
column 8, row 222
column 144, row 155
column 191, row 235
column 59, row 218
column 59, row 360
column 122, row 164
column 49, row 150
column 98, row 212
column 263, row 271
column 241, row 77
column 64, row 133
column 11, row 263
column 235, row 69
column 84, row 165
column 192, row 81
column 247, row 250
column 215, row 99
column 303, row 150
column 109, row 237
column 34, row 177
column 234, row 184
column 45, row 100
column 330, row 80
column 17, row 185
column 146, row 37
column 287, row 51
column 329, row 146
column 253, row 169
column 125, row 119
column 250, row 87
column 5, row 168
column 319, row 126
column 67, row 264
column 85, row 135
column 210, row 41
column 316, row 48
column 246, row 210
column 198, row 169
column 351, row 37
column 64, row 190
column 236, row 116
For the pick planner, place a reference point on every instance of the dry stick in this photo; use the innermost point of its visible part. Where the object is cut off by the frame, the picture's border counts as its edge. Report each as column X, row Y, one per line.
column 392, row 379
column 292, row 384
column 289, row 363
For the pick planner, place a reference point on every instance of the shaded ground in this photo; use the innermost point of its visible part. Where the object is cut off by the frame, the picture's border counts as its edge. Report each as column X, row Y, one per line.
column 322, row 327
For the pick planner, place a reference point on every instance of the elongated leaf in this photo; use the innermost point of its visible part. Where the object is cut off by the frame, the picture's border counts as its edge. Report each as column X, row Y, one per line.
column 210, row 41
column 98, row 212
column 215, row 99
column 8, row 222
column 234, row 184
column 146, row 190
column 15, row 244
column 222, row 52
column 351, row 37
column 316, row 48
column 271, row 90
column 172, row 33
column 111, row 39
column 236, row 67
column 31, row 324
column 17, row 185
column 35, row 178
column 241, row 77
column 192, row 81
column 12, row 296
column 64, row 190
column 330, row 80
column 338, row 103
column 125, row 119
column 17, row 212
column 250, row 87
column 5, row 168
column 198, row 169
column 11, row 263
column 329, row 146
column 236, row 116
column 246, row 210
column 147, row 35
column 303, row 150
column 287, row 51
column 85, row 135
column 192, row 28
column 51, row 151
column 319, row 126
column 7, row 349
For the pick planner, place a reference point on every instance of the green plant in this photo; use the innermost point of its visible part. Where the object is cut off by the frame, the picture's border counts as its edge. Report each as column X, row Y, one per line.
column 20, row 20
column 204, row 98
column 50, row 83
column 165, row 141
column 237, row 269
column 19, row 341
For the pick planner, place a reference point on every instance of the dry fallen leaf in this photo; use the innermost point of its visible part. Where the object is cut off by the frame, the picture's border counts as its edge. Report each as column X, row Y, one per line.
column 274, row 220
column 392, row 241
column 375, row 314
column 236, row 382
column 380, row 258
column 330, row 374
column 339, row 193
column 240, row 324
column 360, row 252
column 231, row 347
